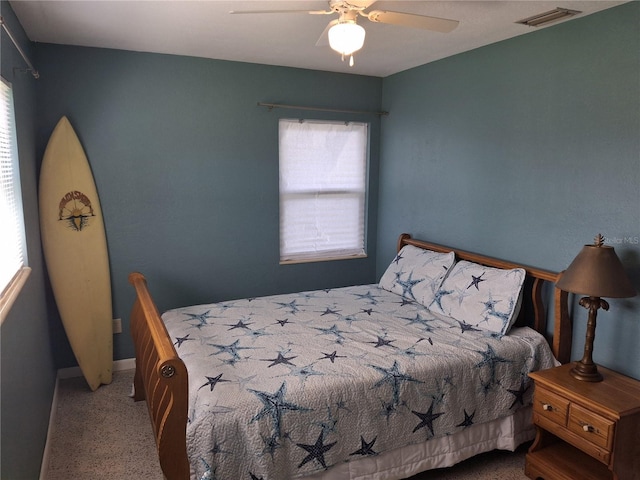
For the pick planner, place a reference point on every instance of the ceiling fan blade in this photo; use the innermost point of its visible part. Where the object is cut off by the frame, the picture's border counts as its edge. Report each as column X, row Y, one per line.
column 310, row 12
column 412, row 20
column 323, row 41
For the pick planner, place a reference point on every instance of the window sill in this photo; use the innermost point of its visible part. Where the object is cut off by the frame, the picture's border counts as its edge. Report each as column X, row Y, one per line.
column 322, row 259
column 12, row 291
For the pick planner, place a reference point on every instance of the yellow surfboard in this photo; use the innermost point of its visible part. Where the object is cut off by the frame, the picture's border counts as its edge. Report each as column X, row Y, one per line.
column 75, row 250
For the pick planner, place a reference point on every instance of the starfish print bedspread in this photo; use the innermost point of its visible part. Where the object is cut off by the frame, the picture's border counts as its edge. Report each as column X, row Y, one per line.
column 284, row 386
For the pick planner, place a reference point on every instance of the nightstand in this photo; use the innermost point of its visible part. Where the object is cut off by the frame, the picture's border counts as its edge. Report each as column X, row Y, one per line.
column 585, row 430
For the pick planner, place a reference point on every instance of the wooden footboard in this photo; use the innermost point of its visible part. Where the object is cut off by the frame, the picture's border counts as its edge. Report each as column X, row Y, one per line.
column 160, row 379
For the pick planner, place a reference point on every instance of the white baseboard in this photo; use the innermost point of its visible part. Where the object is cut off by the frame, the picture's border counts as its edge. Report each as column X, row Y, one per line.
column 72, row 372
column 118, row 365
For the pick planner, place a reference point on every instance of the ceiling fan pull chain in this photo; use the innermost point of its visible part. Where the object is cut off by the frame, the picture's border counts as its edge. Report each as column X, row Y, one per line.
column 351, row 61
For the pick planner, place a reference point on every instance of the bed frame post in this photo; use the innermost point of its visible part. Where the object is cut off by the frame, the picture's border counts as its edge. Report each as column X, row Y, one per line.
column 563, row 327
column 160, row 379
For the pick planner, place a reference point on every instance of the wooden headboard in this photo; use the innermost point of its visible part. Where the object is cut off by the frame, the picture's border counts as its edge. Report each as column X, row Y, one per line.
column 562, row 329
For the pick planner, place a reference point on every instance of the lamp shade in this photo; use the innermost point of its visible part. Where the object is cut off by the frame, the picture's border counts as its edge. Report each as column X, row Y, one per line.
column 597, row 272
column 346, row 37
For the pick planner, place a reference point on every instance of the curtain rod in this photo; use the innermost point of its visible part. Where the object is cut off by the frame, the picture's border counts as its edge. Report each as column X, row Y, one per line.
column 271, row 106
column 31, row 69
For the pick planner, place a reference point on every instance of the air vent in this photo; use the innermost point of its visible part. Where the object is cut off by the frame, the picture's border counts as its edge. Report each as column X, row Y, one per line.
column 548, row 17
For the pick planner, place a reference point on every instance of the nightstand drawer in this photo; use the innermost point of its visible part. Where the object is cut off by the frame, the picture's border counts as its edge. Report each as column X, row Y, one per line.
column 594, row 428
column 551, row 406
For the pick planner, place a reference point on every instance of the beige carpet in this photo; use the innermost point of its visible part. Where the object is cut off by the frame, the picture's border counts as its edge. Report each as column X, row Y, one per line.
column 105, row 435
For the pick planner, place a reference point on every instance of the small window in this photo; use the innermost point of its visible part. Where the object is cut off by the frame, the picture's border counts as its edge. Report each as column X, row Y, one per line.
column 12, row 241
column 323, row 177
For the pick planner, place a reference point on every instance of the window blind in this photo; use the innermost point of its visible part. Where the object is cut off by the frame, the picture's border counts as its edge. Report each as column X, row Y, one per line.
column 323, row 171
column 12, row 241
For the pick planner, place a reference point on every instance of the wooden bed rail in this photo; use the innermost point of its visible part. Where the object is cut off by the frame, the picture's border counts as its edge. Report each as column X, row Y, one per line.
column 563, row 326
column 160, row 379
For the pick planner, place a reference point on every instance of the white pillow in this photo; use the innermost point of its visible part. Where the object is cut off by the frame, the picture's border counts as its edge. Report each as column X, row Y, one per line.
column 487, row 298
column 416, row 273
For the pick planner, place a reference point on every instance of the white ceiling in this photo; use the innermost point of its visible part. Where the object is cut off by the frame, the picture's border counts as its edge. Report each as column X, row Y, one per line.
column 204, row 28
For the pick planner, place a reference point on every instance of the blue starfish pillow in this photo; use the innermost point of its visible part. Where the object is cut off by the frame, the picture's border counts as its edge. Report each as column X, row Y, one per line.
column 487, row 298
column 416, row 273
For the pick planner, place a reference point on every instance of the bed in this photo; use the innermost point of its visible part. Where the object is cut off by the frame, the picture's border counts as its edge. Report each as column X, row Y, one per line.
column 382, row 381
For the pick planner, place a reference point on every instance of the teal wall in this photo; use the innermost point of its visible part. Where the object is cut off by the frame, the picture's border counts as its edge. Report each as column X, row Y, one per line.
column 525, row 150
column 186, row 165
column 27, row 366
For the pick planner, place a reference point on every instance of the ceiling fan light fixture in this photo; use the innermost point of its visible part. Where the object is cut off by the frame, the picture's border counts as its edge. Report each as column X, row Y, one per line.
column 346, row 37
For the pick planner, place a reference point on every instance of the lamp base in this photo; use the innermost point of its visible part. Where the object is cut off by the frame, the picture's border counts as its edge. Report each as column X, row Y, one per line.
column 585, row 369
column 586, row 372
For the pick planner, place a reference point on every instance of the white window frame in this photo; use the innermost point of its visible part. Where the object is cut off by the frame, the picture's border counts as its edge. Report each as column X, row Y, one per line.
column 323, row 189
column 13, row 251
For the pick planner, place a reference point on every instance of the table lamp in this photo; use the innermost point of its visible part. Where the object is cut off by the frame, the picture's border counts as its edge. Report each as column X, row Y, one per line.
column 596, row 272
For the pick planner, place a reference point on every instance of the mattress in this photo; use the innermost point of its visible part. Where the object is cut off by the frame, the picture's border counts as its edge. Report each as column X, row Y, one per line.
column 301, row 385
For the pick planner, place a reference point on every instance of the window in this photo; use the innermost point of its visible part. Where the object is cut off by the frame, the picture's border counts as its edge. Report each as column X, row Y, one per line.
column 323, row 173
column 12, row 241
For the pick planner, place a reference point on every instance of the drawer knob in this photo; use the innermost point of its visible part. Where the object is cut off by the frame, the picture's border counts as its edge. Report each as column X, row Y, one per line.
column 547, row 408
column 588, row 428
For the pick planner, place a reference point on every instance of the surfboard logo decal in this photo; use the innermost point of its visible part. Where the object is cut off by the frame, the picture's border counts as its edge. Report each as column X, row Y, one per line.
column 76, row 210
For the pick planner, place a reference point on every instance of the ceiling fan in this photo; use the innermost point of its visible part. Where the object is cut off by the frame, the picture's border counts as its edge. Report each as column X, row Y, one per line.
column 345, row 36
